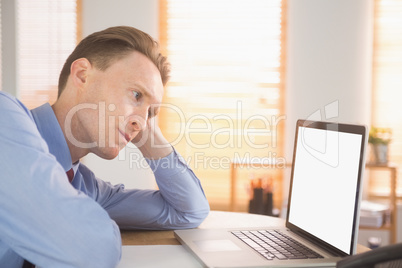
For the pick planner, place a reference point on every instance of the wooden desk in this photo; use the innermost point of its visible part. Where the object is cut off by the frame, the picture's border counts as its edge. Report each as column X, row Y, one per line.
column 215, row 220
column 130, row 238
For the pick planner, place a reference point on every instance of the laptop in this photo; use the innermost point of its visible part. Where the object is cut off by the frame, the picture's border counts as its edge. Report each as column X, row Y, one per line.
column 323, row 208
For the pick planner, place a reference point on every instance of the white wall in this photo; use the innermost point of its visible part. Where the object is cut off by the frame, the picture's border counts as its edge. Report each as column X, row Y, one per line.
column 128, row 168
column 328, row 68
column 329, row 57
column 9, row 82
column 142, row 14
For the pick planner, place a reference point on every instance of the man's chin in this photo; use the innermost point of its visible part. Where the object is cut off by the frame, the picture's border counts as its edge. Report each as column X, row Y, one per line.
column 108, row 153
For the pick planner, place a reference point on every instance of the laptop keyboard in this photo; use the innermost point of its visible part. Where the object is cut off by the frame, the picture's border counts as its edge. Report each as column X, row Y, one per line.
column 273, row 244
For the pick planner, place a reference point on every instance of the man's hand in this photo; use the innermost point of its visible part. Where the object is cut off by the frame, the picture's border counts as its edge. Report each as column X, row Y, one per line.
column 151, row 142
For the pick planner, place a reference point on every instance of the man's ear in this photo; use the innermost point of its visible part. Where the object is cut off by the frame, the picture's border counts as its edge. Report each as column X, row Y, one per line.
column 79, row 72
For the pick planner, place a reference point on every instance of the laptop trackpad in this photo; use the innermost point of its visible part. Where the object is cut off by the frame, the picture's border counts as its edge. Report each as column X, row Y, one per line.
column 216, row 245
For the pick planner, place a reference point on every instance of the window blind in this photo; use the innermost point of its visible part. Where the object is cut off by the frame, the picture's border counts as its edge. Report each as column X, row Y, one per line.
column 387, row 82
column 46, row 36
column 224, row 101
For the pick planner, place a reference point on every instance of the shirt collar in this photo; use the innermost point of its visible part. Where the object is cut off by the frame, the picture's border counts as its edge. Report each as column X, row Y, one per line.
column 51, row 132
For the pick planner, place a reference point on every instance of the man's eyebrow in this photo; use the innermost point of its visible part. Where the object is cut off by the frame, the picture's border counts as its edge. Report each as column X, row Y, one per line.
column 143, row 89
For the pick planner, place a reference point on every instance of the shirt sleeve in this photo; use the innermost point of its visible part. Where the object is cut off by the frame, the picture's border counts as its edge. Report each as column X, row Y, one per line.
column 179, row 203
column 42, row 217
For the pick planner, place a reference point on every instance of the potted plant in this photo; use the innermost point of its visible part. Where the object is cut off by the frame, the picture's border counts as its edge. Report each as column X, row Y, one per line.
column 379, row 138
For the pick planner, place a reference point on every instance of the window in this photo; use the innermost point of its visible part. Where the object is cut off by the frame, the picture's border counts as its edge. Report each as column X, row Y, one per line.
column 387, row 80
column 225, row 98
column 47, row 34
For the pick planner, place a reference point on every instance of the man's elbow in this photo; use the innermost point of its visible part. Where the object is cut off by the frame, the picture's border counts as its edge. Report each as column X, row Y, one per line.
column 200, row 219
column 195, row 219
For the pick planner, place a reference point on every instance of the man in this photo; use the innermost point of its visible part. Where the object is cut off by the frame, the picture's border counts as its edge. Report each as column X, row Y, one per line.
column 109, row 92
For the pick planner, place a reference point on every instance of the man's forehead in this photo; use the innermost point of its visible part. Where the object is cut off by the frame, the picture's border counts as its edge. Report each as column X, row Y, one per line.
column 140, row 72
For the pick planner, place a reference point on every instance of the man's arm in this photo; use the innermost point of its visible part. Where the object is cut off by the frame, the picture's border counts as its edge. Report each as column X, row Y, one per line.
column 180, row 201
column 43, row 218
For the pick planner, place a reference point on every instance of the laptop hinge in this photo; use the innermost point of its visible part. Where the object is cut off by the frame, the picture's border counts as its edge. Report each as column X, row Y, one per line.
column 324, row 246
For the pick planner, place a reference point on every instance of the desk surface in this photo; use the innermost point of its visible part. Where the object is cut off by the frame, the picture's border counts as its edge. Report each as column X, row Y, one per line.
column 215, row 220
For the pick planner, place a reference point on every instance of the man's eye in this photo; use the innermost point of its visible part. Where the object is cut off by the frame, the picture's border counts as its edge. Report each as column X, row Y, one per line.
column 136, row 94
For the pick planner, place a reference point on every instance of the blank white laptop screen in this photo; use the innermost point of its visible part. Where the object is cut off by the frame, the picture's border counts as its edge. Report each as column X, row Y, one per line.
column 326, row 169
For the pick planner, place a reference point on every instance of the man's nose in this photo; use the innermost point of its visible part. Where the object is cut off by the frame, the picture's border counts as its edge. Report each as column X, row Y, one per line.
column 139, row 121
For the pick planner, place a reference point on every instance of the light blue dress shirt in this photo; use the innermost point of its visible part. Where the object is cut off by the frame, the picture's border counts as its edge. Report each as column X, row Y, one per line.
column 52, row 223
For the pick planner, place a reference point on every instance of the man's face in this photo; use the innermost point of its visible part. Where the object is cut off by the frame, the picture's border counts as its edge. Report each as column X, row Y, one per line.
column 125, row 95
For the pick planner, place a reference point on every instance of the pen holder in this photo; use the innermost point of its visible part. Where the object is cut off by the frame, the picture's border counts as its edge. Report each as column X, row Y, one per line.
column 256, row 205
column 261, row 203
column 269, row 204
